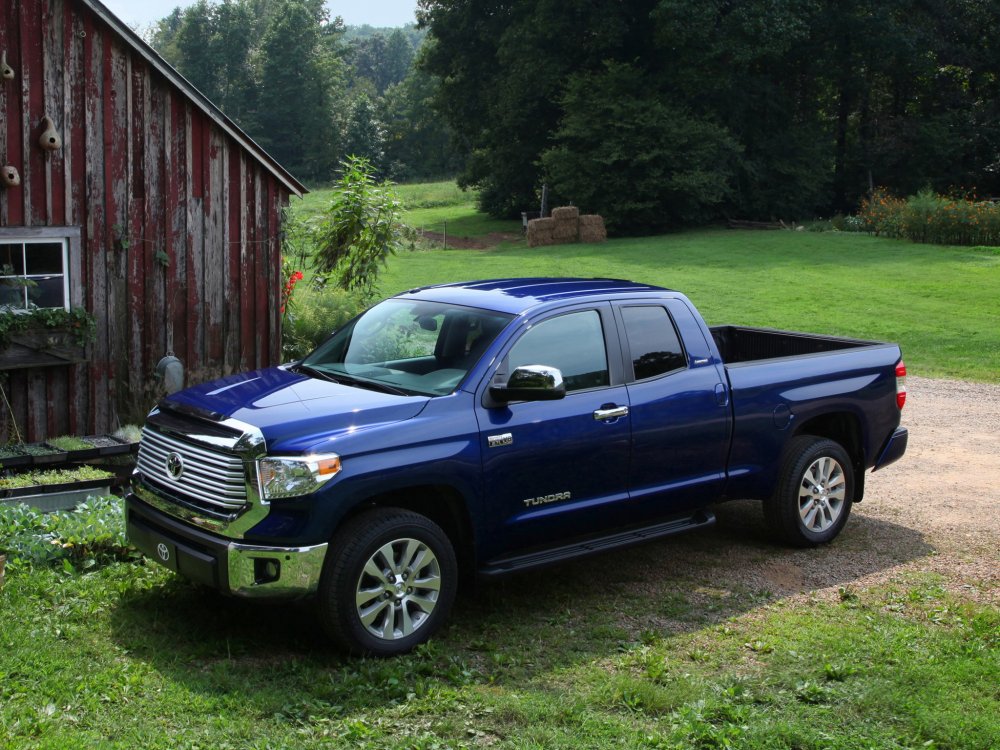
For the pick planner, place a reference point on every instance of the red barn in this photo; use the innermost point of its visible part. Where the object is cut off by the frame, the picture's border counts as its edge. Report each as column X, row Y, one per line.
column 140, row 202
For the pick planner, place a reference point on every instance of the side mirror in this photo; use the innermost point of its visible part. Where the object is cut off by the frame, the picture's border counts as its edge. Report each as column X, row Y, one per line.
column 530, row 383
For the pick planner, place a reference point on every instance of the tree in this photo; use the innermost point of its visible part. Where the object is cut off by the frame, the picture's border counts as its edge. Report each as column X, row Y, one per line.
column 295, row 67
column 641, row 161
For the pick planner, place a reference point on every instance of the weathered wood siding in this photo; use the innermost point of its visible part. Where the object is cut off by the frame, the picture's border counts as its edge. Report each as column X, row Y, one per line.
column 143, row 171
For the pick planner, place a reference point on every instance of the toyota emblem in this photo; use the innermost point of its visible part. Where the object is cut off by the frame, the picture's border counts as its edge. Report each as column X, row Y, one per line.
column 163, row 551
column 175, row 465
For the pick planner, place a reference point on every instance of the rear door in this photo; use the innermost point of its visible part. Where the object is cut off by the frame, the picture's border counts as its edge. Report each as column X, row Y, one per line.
column 557, row 469
column 679, row 409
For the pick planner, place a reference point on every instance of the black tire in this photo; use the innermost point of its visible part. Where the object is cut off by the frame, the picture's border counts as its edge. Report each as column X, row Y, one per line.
column 406, row 563
column 815, row 492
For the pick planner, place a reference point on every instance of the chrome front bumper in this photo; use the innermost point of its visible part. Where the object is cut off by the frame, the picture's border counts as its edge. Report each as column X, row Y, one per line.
column 244, row 570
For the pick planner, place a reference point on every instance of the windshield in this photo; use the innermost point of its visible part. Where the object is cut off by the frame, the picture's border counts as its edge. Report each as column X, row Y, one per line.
column 407, row 346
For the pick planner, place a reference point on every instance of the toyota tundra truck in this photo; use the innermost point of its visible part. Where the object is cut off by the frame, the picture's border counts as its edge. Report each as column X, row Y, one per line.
column 497, row 426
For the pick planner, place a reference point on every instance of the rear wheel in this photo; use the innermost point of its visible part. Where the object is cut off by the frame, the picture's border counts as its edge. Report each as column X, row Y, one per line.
column 815, row 492
column 388, row 583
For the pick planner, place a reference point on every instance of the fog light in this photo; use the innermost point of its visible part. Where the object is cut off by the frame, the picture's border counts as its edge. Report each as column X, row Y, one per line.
column 265, row 570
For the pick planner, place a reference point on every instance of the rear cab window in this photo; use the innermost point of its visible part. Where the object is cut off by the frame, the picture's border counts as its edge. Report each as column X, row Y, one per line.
column 654, row 348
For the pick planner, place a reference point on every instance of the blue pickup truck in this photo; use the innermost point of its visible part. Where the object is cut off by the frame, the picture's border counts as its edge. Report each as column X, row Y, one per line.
column 497, row 426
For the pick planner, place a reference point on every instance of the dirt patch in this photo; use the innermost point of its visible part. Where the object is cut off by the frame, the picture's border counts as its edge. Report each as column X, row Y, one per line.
column 470, row 243
column 934, row 511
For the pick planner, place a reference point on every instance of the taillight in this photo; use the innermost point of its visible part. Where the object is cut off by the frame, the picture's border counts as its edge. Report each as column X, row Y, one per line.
column 900, row 384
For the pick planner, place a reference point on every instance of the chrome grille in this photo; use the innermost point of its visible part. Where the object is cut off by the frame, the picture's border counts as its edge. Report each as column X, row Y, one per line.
column 211, row 480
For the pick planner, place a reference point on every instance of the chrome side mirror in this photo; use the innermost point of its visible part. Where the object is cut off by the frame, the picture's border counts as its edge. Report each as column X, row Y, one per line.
column 530, row 383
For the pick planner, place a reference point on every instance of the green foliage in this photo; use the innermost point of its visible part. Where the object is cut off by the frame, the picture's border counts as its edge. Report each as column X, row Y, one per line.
column 69, row 443
column 804, row 103
column 94, row 532
column 318, row 312
column 629, row 154
column 931, row 218
column 76, row 320
column 360, row 229
column 53, row 476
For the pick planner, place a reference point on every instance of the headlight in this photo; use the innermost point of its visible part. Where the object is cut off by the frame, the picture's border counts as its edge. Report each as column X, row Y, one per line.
column 291, row 477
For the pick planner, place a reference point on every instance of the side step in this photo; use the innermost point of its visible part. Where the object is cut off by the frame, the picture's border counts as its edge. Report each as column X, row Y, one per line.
column 593, row 545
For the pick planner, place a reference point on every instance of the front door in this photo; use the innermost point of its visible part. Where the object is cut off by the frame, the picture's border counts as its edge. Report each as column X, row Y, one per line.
column 558, row 469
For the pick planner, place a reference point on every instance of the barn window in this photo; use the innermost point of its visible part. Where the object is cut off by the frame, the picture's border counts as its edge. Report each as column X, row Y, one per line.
column 34, row 272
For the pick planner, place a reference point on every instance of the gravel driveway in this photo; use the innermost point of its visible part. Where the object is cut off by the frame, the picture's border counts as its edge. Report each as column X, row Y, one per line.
column 936, row 510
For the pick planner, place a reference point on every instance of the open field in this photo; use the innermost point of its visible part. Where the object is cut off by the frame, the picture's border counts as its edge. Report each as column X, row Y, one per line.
column 939, row 303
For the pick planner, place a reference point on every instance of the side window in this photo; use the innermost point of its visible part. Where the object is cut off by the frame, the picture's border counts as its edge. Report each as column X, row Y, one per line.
column 652, row 341
column 574, row 343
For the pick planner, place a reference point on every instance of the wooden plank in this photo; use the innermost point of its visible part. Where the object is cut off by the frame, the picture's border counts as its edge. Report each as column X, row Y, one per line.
column 79, row 398
column 248, row 334
column 6, row 110
column 273, row 271
column 261, row 270
column 95, row 66
column 231, row 196
column 136, row 407
column 53, row 72
column 155, row 321
column 176, row 167
column 195, row 248
column 117, row 144
column 214, row 299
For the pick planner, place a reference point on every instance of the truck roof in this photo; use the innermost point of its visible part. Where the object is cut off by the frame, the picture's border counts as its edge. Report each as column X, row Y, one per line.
column 519, row 295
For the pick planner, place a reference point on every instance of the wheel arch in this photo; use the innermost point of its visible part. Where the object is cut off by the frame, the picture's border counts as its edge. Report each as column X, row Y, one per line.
column 843, row 428
column 442, row 504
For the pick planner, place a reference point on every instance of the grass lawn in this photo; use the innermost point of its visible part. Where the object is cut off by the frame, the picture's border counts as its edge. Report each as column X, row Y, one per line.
column 942, row 304
column 130, row 657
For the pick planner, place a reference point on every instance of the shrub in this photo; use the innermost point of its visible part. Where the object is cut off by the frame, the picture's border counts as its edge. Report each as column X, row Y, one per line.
column 92, row 533
column 930, row 218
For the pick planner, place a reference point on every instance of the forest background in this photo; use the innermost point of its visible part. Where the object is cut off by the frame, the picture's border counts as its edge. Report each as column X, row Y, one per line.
column 657, row 114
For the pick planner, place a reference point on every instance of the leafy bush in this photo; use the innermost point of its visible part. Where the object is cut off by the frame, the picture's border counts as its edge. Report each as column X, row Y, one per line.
column 318, row 312
column 92, row 533
column 360, row 229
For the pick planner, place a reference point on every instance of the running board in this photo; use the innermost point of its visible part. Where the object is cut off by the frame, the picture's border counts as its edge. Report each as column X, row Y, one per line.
column 593, row 545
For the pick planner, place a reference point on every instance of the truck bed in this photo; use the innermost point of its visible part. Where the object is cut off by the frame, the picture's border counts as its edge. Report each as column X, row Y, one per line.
column 739, row 344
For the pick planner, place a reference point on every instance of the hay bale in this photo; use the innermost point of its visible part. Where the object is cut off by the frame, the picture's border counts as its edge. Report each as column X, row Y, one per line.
column 566, row 212
column 540, row 232
column 592, row 228
column 566, row 231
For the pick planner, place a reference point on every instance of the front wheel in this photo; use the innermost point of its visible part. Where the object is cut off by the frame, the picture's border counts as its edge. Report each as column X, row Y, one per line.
column 815, row 492
column 388, row 583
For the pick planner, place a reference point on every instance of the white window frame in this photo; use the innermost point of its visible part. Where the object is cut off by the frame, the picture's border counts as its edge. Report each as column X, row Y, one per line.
column 69, row 237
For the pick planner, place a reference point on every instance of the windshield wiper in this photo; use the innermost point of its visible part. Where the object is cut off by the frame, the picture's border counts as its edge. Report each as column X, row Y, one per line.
column 314, row 371
column 373, row 385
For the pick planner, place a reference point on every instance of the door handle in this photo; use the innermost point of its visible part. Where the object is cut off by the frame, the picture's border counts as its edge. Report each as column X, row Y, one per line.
column 610, row 413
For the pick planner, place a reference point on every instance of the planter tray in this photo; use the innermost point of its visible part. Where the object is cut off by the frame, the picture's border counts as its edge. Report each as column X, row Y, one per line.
column 58, row 496
column 107, row 445
column 12, row 493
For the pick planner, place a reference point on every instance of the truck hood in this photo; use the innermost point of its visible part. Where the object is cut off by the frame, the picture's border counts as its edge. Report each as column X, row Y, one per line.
column 295, row 412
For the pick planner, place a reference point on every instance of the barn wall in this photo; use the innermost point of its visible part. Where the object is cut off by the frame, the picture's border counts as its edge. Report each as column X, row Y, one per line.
column 180, row 224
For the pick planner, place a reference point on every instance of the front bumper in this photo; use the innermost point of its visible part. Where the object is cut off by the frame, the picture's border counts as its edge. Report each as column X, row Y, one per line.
column 245, row 570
